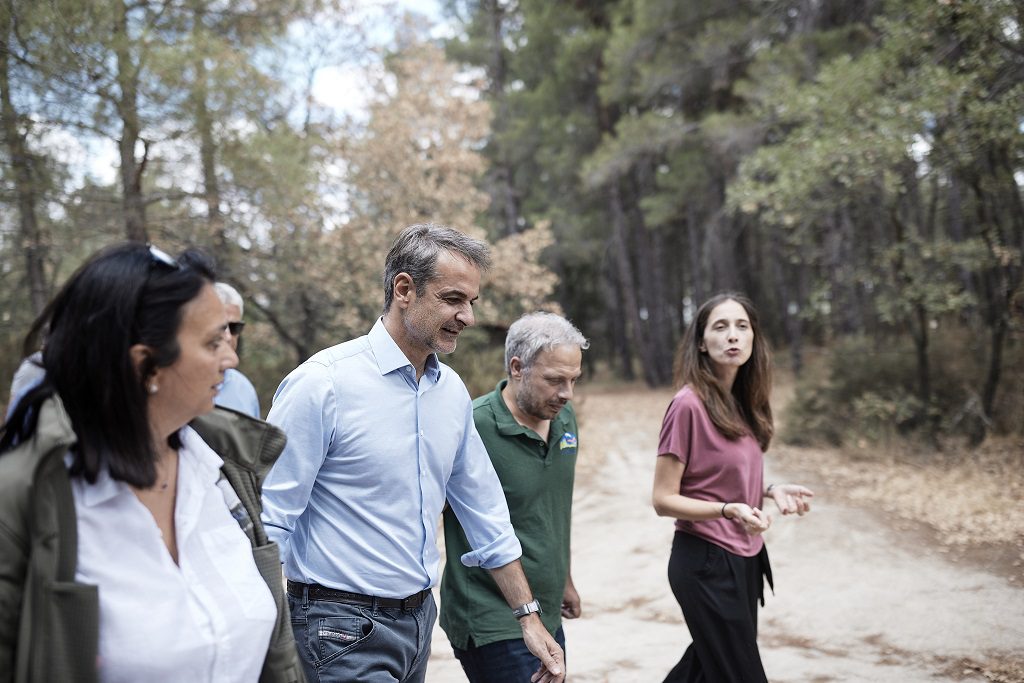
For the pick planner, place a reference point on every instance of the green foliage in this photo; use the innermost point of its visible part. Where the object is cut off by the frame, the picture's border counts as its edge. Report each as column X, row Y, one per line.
column 923, row 273
column 864, row 396
column 864, row 392
column 635, row 138
column 479, row 360
column 854, row 165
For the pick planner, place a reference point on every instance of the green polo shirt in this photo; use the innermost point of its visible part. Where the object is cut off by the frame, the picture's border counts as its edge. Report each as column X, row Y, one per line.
column 537, row 478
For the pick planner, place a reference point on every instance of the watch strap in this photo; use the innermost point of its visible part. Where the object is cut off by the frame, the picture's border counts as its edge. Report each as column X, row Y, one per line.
column 528, row 608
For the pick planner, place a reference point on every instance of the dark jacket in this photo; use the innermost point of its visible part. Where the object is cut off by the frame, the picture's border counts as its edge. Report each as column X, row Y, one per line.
column 49, row 625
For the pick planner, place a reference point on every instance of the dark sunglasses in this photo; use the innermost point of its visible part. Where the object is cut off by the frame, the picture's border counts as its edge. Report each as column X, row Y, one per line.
column 163, row 258
column 235, row 328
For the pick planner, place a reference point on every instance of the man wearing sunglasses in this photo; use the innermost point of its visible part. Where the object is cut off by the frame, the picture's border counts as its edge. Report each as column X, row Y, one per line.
column 237, row 391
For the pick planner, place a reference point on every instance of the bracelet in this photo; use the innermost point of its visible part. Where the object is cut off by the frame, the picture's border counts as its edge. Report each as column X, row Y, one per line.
column 723, row 510
column 768, row 491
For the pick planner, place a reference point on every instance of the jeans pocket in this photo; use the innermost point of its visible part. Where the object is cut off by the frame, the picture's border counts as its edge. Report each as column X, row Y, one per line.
column 296, row 612
column 337, row 635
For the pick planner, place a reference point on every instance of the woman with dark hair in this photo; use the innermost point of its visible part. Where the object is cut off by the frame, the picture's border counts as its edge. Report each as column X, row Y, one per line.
column 131, row 546
column 710, row 477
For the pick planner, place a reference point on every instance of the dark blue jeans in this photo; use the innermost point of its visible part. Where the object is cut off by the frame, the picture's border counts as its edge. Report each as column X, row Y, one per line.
column 339, row 643
column 506, row 661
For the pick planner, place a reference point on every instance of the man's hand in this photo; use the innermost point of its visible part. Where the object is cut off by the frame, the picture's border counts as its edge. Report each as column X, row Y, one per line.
column 544, row 648
column 513, row 585
column 571, row 601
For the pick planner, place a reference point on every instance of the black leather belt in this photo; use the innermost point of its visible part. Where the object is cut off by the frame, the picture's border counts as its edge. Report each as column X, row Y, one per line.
column 318, row 592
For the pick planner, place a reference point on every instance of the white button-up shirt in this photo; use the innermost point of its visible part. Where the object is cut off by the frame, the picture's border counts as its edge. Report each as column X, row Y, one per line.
column 208, row 618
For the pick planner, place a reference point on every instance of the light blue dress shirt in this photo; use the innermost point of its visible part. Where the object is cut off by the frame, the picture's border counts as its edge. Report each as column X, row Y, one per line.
column 238, row 393
column 355, row 498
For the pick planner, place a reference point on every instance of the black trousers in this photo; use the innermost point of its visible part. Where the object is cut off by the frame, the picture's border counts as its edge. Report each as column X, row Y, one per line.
column 718, row 593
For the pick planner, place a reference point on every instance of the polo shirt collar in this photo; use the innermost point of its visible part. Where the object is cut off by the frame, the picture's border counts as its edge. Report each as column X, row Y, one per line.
column 390, row 357
column 507, row 424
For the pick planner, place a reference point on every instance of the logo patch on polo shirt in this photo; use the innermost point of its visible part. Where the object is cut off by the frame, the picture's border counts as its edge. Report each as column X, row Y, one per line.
column 568, row 441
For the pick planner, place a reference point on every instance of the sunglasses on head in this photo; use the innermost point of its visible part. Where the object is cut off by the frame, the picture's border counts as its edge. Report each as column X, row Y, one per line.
column 235, row 328
column 161, row 257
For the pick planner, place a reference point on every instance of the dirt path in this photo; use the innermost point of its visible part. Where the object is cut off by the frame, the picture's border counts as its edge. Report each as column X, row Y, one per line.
column 856, row 599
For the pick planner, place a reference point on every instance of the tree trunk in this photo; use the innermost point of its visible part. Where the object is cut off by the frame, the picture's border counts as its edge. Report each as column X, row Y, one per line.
column 696, row 247
column 995, row 365
column 26, row 187
column 617, row 327
column 624, row 272
column 506, row 197
column 646, row 335
column 848, row 299
column 1000, row 281
column 1003, row 279
column 208, row 161
column 956, row 229
column 127, row 106
column 924, row 384
column 650, row 255
column 787, row 293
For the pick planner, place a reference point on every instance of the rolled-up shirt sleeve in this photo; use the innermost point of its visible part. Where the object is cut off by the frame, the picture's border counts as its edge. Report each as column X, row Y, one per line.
column 475, row 495
column 304, row 407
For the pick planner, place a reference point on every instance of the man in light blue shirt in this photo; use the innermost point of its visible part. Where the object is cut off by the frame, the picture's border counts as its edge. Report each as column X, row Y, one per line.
column 237, row 392
column 380, row 434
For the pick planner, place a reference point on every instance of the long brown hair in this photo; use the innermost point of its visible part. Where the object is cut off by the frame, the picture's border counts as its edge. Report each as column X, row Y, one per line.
column 747, row 409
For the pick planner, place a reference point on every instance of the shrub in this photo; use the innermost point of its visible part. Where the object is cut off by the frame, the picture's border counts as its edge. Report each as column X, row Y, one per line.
column 867, row 390
column 479, row 359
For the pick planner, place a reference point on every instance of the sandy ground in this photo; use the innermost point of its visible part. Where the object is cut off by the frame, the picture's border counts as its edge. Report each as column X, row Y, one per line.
column 857, row 598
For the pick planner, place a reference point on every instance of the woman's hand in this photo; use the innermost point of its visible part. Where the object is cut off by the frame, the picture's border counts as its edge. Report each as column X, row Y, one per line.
column 754, row 520
column 791, row 498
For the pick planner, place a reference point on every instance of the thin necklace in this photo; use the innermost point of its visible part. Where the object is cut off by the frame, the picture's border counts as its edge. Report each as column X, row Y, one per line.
column 170, row 475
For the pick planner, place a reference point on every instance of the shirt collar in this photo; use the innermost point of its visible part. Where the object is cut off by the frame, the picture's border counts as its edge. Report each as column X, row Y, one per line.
column 105, row 488
column 207, row 464
column 390, row 357
column 503, row 417
column 508, row 425
column 206, row 460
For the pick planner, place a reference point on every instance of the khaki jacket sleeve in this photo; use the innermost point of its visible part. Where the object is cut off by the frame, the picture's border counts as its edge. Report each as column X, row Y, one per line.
column 13, row 565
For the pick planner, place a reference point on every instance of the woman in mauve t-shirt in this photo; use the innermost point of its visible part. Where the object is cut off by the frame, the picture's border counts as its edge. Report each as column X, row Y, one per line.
column 710, row 478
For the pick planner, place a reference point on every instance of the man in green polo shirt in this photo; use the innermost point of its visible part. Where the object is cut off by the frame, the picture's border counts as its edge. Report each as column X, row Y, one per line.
column 529, row 429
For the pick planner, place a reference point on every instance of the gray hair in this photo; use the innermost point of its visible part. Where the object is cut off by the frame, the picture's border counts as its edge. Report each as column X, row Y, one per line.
column 536, row 332
column 229, row 296
column 415, row 253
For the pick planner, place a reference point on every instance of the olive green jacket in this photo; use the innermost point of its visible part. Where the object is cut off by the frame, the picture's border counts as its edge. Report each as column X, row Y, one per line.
column 49, row 624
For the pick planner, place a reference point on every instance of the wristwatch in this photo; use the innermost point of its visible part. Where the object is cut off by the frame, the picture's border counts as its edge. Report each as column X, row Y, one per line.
column 528, row 608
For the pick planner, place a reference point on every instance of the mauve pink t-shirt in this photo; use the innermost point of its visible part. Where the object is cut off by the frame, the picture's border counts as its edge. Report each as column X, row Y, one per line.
column 717, row 469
